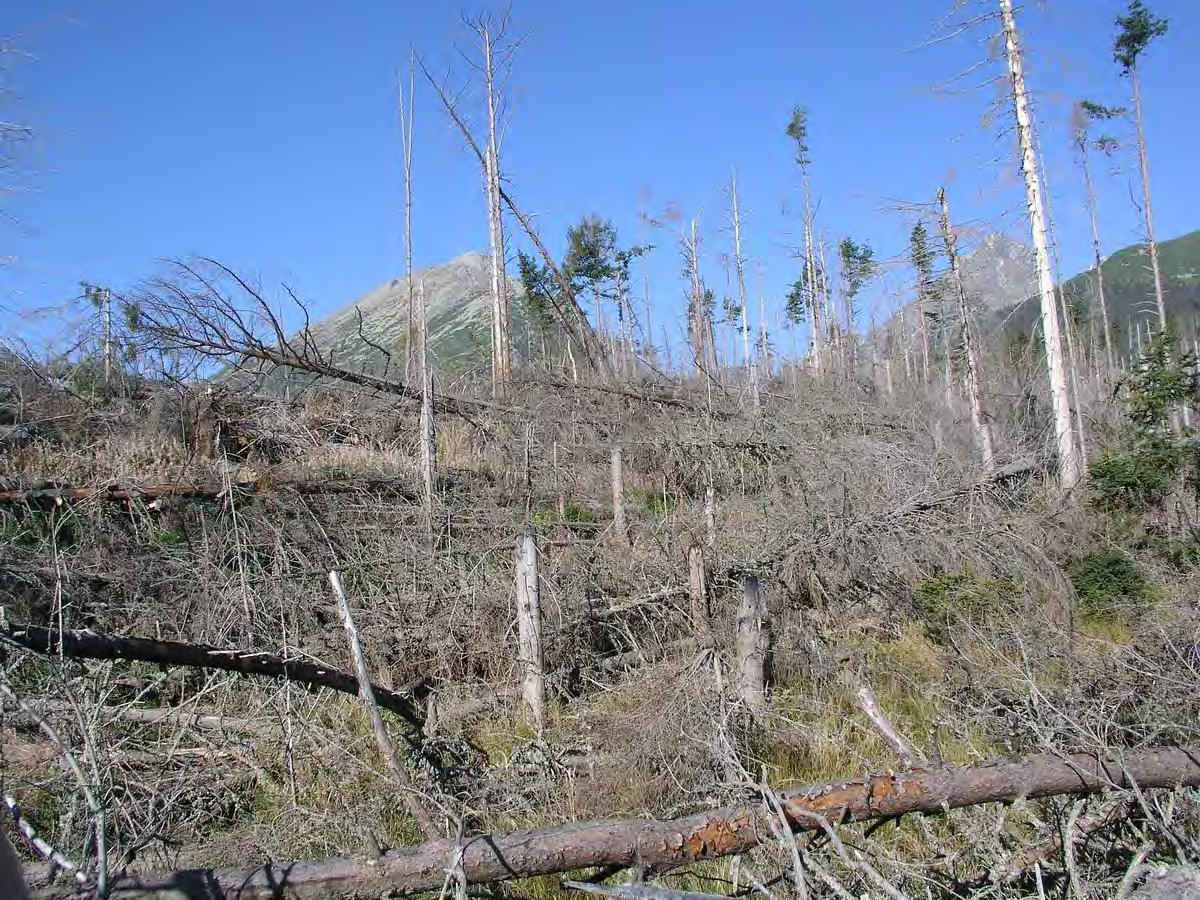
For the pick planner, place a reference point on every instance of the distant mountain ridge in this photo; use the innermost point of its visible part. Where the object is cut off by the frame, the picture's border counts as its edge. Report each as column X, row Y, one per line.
column 458, row 310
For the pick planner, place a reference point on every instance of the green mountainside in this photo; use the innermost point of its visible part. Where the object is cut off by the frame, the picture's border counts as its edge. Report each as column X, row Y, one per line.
column 1129, row 288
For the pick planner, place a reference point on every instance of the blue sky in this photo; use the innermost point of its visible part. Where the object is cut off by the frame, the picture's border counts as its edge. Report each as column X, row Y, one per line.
column 264, row 133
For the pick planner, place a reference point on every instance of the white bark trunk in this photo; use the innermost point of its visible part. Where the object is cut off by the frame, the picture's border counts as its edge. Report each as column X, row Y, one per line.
column 1090, row 193
column 983, row 431
column 529, row 629
column 1068, row 456
column 501, row 317
column 1147, row 209
column 406, row 138
column 740, row 268
column 427, row 424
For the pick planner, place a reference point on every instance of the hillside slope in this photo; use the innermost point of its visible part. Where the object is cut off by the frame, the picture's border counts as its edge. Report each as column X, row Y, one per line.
column 457, row 298
column 1129, row 287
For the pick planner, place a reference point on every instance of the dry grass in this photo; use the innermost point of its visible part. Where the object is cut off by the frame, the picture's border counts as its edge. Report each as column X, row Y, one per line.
column 842, row 502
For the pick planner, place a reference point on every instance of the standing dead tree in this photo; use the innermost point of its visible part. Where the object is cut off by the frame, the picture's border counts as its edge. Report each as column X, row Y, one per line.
column 529, row 628
column 660, row 846
column 568, row 311
column 979, row 422
column 1069, row 463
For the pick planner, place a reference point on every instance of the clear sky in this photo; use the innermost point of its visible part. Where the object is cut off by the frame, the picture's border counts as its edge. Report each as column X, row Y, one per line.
column 264, row 132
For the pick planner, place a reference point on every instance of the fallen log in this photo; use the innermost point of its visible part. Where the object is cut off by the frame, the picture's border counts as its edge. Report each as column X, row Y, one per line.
column 662, row 846
column 55, row 494
column 89, row 645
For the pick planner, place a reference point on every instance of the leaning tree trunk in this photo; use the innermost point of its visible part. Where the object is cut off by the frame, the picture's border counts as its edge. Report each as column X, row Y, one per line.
column 983, row 431
column 1090, row 193
column 1147, row 209
column 1068, row 455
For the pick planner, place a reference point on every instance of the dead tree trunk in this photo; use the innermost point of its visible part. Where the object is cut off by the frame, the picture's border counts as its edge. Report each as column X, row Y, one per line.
column 1090, row 195
column 427, row 424
column 660, row 846
column 740, row 267
column 620, row 523
column 753, row 647
column 406, row 139
column 387, row 749
column 89, row 645
column 698, row 594
column 983, row 431
column 1068, row 454
column 529, row 629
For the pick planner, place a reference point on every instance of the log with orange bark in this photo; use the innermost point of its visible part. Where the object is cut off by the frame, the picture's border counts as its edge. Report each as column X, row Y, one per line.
column 659, row 846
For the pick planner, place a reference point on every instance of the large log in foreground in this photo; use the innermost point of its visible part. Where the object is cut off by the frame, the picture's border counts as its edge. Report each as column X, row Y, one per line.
column 661, row 846
column 89, row 645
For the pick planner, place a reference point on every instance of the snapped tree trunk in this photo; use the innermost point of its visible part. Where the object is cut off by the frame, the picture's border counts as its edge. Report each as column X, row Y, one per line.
column 1068, row 454
column 529, row 629
column 620, row 523
column 698, row 594
column 753, row 647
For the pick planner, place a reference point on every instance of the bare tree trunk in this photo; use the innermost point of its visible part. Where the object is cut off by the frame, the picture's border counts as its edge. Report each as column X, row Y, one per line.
column 406, row 148
column 753, row 646
column 765, row 348
column 620, row 524
column 1090, row 194
column 983, row 431
column 1068, row 455
column 740, row 267
column 817, row 339
column 529, row 628
column 699, row 333
column 386, row 748
column 698, row 593
column 1147, row 209
column 427, row 425
column 660, row 846
column 501, row 318
column 902, row 747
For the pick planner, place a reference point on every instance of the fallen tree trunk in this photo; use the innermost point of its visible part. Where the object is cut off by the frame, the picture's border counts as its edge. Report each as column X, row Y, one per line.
column 113, row 493
column 88, row 645
column 661, row 846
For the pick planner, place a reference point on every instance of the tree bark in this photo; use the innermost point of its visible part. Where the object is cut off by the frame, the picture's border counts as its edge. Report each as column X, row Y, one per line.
column 1090, row 194
column 753, row 647
column 740, row 267
column 529, row 629
column 1068, row 454
column 698, row 594
column 1147, row 208
column 659, row 846
column 983, row 431
column 89, row 645
column 383, row 740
